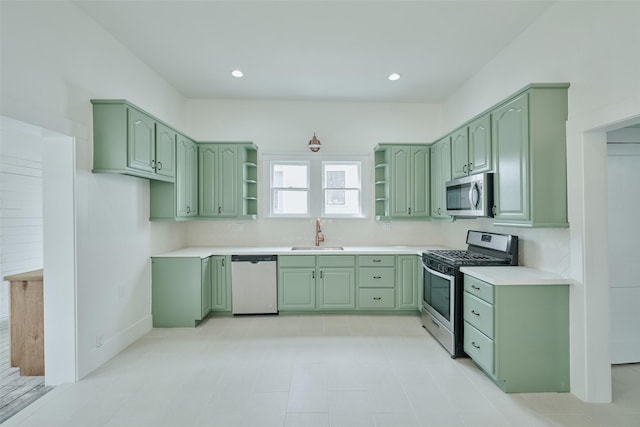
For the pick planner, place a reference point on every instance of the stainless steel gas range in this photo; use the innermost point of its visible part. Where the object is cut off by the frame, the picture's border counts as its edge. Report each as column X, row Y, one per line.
column 443, row 283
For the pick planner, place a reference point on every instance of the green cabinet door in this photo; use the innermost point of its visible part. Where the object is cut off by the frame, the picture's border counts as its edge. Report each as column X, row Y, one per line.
column 229, row 181
column 164, row 159
column 219, row 181
column 177, row 289
column 407, row 282
column 221, row 285
column 460, row 153
column 206, row 287
column 471, row 148
column 400, row 187
column 296, row 289
column 530, row 157
column 420, row 181
column 409, row 181
column 480, row 145
column 186, row 177
column 440, row 174
column 336, row 288
column 511, row 144
column 141, row 141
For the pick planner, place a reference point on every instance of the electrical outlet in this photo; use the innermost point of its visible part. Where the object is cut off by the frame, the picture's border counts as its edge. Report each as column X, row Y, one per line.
column 99, row 340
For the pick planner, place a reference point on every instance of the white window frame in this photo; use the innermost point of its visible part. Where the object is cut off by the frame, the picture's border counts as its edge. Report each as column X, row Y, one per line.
column 316, row 191
column 271, row 190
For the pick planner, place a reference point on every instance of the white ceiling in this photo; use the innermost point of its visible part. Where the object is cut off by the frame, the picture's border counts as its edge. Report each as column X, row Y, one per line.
column 315, row 50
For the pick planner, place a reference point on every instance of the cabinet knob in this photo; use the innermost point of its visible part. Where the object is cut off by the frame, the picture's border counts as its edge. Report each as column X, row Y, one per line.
column 475, row 287
column 439, row 211
column 219, row 210
column 377, row 277
column 470, row 167
column 494, row 209
column 475, row 312
column 377, row 260
column 409, row 211
column 464, row 168
column 473, row 343
column 188, row 209
column 377, row 298
column 153, row 163
column 159, row 166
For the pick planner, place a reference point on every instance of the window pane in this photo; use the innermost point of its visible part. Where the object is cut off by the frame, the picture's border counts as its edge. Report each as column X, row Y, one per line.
column 342, row 202
column 290, row 202
column 341, row 175
column 290, row 175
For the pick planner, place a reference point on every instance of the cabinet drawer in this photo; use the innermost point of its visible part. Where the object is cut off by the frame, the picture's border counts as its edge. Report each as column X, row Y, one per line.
column 376, row 260
column 478, row 313
column 376, row 298
column 336, row 261
column 297, row 261
column 482, row 290
column 371, row 277
column 478, row 347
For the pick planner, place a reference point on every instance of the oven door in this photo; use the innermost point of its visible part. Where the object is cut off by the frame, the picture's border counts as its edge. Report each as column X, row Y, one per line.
column 438, row 296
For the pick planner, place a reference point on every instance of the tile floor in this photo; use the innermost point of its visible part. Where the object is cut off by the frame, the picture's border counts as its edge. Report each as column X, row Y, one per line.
column 309, row 371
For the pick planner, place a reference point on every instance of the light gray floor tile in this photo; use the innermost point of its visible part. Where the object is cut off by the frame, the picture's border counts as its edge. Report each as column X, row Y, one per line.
column 312, row 370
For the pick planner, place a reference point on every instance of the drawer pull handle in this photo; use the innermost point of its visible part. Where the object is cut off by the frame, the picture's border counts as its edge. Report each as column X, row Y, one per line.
column 377, row 277
column 475, row 287
column 473, row 343
column 377, row 298
column 377, row 260
column 475, row 312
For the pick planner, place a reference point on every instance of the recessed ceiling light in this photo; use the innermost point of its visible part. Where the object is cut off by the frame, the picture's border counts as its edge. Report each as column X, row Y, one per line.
column 237, row 73
column 394, row 76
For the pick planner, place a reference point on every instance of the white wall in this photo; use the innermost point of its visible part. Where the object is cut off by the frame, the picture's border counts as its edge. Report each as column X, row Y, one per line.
column 592, row 46
column 286, row 127
column 54, row 60
column 20, row 202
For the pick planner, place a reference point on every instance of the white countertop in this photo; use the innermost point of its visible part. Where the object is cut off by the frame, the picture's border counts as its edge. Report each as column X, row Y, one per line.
column 206, row 251
column 515, row 276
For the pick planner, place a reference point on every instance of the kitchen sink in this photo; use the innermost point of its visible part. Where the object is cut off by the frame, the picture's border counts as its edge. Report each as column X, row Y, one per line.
column 317, row 248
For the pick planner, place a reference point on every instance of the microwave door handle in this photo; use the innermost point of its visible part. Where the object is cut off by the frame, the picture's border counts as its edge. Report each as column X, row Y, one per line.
column 437, row 273
column 474, row 195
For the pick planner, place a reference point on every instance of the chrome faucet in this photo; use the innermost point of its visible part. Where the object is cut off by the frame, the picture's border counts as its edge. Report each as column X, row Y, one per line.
column 319, row 235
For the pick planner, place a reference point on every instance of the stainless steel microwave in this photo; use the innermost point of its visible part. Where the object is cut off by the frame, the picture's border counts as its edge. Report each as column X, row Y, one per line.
column 471, row 196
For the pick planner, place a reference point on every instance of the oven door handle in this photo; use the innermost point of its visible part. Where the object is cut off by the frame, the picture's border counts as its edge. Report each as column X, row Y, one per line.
column 436, row 273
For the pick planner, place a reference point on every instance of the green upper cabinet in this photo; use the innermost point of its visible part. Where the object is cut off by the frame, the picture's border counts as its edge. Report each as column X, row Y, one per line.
column 178, row 200
column 529, row 144
column 164, row 159
column 471, row 148
column 406, row 186
column 219, row 181
column 440, row 174
column 187, row 177
column 129, row 141
column 249, row 181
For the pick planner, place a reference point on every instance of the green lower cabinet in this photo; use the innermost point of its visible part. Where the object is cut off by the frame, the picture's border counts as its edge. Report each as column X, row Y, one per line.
column 205, row 303
column 180, row 287
column 337, row 288
column 407, row 281
column 296, row 289
column 518, row 334
column 220, row 284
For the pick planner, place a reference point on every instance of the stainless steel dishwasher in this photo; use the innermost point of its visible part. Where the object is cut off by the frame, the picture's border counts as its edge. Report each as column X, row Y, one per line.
column 254, row 287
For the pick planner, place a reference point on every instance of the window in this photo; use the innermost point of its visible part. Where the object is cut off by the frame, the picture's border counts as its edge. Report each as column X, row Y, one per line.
column 290, row 188
column 329, row 186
